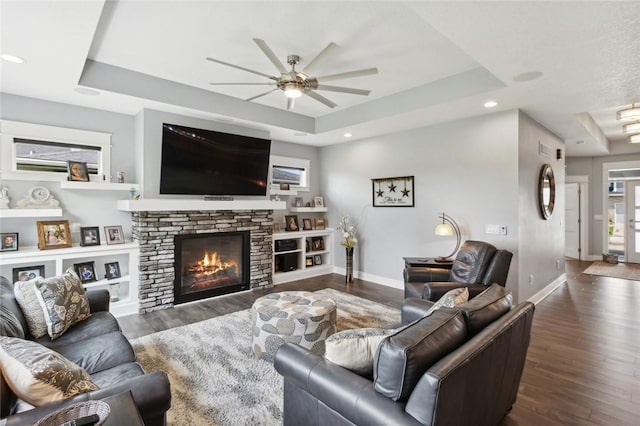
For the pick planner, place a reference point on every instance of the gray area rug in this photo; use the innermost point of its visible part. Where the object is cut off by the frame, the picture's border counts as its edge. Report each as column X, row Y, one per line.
column 216, row 378
column 627, row 271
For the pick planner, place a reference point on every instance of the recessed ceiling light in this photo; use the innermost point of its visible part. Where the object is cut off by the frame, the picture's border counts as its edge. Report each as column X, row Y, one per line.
column 347, row 135
column 490, row 104
column 86, row 91
column 12, row 58
column 580, row 142
column 631, row 127
column 634, row 138
column 527, row 76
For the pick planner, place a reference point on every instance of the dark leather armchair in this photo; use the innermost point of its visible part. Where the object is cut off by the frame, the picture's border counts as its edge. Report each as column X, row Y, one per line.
column 477, row 265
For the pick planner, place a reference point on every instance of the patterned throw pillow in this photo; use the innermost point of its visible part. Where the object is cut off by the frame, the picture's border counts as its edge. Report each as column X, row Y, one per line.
column 63, row 301
column 39, row 375
column 451, row 299
column 355, row 349
column 25, row 293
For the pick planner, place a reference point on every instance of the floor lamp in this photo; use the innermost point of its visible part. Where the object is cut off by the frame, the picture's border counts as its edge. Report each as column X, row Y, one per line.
column 446, row 229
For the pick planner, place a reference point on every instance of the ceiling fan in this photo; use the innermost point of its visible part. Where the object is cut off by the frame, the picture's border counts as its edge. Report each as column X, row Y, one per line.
column 296, row 83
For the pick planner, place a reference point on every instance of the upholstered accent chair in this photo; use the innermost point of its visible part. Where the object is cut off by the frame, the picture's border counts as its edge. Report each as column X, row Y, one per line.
column 477, row 265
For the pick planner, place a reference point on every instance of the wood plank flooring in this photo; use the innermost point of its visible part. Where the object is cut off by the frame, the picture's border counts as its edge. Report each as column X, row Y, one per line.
column 583, row 362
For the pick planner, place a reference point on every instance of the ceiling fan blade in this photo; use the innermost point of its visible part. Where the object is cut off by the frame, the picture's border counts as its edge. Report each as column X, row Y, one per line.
column 321, row 99
column 291, row 103
column 242, row 68
column 344, row 90
column 248, row 84
column 350, row 74
column 322, row 56
column 272, row 56
column 261, row 95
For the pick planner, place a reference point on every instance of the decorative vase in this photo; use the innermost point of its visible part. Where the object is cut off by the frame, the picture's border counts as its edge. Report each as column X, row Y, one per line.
column 349, row 275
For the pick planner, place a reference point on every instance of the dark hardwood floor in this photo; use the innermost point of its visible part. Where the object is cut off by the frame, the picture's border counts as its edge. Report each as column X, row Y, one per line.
column 583, row 362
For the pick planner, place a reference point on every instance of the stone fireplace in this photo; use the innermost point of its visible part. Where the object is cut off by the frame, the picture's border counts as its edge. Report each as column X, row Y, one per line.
column 156, row 233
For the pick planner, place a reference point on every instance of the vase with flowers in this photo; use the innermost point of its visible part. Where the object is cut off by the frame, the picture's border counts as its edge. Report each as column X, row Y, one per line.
column 349, row 241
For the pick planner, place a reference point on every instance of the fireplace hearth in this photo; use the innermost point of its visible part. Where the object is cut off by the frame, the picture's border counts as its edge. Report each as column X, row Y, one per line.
column 211, row 264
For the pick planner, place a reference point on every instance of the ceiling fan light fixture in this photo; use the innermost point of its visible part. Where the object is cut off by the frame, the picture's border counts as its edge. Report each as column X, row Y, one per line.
column 291, row 90
column 631, row 127
column 634, row 138
column 629, row 114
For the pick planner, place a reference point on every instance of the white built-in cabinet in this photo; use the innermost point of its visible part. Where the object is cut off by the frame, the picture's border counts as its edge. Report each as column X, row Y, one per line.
column 311, row 259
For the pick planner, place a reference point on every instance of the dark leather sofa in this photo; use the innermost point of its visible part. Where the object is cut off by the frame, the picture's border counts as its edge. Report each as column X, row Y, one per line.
column 477, row 265
column 472, row 374
column 97, row 345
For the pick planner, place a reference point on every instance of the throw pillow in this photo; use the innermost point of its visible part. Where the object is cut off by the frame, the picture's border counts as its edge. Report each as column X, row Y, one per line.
column 25, row 293
column 39, row 375
column 486, row 307
column 63, row 301
column 355, row 349
column 450, row 299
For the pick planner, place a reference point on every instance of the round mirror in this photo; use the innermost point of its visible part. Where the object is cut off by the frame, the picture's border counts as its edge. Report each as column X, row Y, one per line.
column 546, row 191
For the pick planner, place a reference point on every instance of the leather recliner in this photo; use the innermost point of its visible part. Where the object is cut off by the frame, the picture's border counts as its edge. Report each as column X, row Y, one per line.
column 477, row 265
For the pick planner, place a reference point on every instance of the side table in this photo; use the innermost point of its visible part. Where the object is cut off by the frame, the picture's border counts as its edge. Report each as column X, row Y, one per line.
column 427, row 262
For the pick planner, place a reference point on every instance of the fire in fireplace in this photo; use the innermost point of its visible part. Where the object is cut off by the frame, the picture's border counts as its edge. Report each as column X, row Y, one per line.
column 211, row 264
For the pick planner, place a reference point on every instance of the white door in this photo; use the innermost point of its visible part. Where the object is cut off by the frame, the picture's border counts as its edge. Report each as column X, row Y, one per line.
column 632, row 240
column 572, row 240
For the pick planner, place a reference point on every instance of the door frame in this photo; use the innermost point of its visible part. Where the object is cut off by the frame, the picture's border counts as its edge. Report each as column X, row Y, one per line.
column 606, row 167
column 583, row 184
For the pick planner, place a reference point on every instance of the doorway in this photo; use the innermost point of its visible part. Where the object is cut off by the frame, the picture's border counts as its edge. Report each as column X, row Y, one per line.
column 576, row 203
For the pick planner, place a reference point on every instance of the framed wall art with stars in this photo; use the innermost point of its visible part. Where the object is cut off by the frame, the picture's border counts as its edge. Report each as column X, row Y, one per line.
column 393, row 192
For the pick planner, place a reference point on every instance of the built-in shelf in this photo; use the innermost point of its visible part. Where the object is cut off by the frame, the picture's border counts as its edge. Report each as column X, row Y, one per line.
column 301, row 252
column 105, row 282
column 283, row 192
column 7, row 213
column 309, row 209
column 32, row 252
column 159, row 204
column 99, row 186
column 298, row 234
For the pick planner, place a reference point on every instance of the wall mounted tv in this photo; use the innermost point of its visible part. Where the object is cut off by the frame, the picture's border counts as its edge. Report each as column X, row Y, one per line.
column 204, row 162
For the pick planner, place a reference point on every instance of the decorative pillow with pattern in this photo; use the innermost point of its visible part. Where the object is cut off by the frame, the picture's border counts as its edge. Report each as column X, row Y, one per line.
column 63, row 301
column 25, row 293
column 355, row 349
column 450, row 299
column 39, row 375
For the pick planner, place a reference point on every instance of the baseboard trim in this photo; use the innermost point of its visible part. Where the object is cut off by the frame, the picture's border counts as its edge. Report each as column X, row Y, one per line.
column 388, row 282
column 542, row 294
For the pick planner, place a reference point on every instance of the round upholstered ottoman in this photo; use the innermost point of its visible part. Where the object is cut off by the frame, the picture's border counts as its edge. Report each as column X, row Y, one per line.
column 298, row 317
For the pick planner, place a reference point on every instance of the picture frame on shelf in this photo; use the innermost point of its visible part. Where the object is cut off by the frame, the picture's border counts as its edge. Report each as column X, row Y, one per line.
column 9, row 241
column 317, row 259
column 276, row 227
column 309, row 261
column 27, row 273
column 86, row 271
column 284, row 186
column 298, row 202
column 291, row 222
column 319, row 223
column 53, row 234
column 114, row 234
column 317, row 243
column 78, row 171
column 306, row 224
column 112, row 270
column 89, row 236
column 318, row 202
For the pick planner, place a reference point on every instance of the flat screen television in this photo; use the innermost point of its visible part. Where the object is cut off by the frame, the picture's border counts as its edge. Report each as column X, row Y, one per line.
column 204, row 162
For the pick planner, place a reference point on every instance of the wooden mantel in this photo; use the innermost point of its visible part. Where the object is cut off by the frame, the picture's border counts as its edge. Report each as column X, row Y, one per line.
column 172, row 204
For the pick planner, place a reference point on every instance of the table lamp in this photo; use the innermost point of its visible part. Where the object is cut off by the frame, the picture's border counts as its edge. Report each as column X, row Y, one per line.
column 446, row 229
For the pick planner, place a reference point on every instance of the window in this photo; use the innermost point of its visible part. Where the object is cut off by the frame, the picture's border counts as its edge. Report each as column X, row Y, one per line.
column 36, row 151
column 294, row 171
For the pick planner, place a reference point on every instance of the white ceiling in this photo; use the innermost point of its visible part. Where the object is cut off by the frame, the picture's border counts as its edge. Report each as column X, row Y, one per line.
column 437, row 61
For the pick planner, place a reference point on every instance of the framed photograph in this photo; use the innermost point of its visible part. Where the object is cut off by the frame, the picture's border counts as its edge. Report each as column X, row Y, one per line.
column 318, row 202
column 114, row 234
column 309, row 261
column 393, row 192
column 299, row 202
column 317, row 259
column 27, row 273
column 89, row 236
column 306, row 224
column 86, row 271
column 53, row 234
column 319, row 223
column 292, row 223
column 284, row 186
column 112, row 270
column 317, row 243
column 276, row 227
column 9, row 241
column 77, row 171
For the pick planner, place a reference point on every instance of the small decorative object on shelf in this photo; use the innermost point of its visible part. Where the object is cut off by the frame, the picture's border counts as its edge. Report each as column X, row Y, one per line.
column 306, row 225
column 112, row 270
column 120, row 177
column 27, row 273
column 38, row 197
column 114, row 234
column 78, row 171
column 53, row 234
column 4, row 198
column 318, row 202
column 89, row 236
column 86, row 271
column 114, row 292
column 317, row 243
column 284, row 186
column 309, row 261
column 350, row 240
column 9, row 241
column 298, row 202
column 319, row 223
column 291, row 223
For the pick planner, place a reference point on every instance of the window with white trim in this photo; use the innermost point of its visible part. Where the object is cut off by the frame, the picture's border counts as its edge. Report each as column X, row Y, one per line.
column 289, row 170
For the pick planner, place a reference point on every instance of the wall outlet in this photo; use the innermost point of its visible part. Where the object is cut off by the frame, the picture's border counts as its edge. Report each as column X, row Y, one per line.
column 531, row 279
column 503, row 229
column 492, row 229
